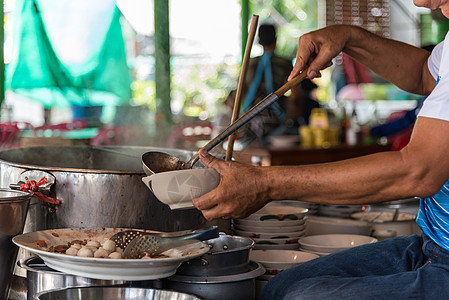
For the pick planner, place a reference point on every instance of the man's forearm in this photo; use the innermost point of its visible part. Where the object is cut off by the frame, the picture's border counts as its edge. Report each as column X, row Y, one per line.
column 401, row 64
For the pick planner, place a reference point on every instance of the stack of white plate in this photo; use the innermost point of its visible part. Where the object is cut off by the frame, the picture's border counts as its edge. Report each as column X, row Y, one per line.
column 275, row 261
column 324, row 244
column 274, row 227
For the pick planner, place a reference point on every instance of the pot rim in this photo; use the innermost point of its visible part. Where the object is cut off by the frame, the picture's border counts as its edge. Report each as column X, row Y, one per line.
column 21, row 196
column 226, row 236
column 255, row 270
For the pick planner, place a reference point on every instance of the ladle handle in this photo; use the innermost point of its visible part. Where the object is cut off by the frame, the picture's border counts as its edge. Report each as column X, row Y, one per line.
column 255, row 110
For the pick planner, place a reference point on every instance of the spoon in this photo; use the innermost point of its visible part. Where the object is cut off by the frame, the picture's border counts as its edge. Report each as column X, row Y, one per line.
column 157, row 162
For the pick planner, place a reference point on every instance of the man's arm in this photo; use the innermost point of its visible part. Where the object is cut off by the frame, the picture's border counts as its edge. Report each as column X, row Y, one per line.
column 399, row 63
column 419, row 169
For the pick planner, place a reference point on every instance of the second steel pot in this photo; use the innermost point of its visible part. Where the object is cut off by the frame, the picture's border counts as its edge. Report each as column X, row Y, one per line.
column 228, row 255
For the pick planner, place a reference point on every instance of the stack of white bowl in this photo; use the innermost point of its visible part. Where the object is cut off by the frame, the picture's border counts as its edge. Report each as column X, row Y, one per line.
column 275, row 261
column 274, row 227
column 328, row 225
column 325, row 244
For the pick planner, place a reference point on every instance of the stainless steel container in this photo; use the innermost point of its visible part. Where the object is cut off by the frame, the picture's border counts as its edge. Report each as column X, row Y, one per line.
column 13, row 210
column 98, row 187
column 108, row 293
column 41, row 278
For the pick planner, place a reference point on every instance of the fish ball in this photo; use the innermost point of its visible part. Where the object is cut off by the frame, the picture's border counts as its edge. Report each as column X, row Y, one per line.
column 109, row 245
column 76, row 246
column 85, row 252
column 71, row 251
column 101, row 253
column 93, row 244
column 115, row 255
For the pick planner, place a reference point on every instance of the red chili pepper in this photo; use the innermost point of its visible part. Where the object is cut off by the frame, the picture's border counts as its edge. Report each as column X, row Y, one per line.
column 33, row 187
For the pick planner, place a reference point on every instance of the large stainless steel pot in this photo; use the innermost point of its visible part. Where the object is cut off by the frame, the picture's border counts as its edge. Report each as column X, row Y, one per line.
column 107, row 293
column 98, row 187
column 41, row 278
column 13, row 209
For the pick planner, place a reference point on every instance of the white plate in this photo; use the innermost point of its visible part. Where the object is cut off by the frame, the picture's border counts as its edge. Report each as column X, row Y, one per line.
column 277, row 212
column 287, row 241
column 102, row 268
column 270, row 229
column 269, row 223
column 272, row 235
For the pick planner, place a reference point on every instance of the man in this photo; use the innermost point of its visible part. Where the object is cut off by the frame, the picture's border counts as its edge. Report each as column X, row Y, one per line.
column 266, row 73
column 399, row 268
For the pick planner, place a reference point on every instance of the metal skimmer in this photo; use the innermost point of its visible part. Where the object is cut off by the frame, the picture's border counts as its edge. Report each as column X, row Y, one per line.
column 124, row 238
column 154, row 245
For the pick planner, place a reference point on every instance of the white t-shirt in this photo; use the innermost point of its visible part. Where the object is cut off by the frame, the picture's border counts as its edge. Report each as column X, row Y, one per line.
column 436, row 104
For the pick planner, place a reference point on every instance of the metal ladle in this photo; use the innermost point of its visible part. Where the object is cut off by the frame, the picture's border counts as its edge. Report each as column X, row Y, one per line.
column 157, row 162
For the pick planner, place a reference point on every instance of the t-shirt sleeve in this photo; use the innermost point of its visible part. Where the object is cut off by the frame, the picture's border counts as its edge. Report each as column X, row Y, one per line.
column 433, row 63
column 436, row 104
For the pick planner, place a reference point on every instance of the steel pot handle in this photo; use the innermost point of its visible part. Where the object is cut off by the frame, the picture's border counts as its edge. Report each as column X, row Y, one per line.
column 35, row 175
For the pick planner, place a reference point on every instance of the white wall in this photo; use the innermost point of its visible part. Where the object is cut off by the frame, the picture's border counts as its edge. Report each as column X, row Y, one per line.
column 404, row 24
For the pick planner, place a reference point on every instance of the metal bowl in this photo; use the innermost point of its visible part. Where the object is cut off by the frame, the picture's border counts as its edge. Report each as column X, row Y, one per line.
column 41, row 278
column 228, row 255
column 13, row 210
column 107, row 293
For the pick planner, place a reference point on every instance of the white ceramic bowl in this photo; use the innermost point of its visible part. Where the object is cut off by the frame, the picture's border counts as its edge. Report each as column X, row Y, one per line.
column 268, row 235
column 313, row 252
column 405, row 225
column 276, row 247
column 276, row 212
column 280, row 259
column 270, row 229
column 178, row 188
column 327, row 225
column 331, row 243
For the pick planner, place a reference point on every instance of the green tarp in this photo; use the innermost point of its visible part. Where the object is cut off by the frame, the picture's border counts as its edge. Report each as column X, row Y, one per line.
column 38, row 73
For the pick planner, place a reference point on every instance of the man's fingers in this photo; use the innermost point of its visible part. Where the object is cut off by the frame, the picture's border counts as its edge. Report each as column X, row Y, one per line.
column 210, row 161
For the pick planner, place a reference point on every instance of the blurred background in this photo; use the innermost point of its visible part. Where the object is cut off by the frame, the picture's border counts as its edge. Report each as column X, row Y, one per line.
column 157, row 73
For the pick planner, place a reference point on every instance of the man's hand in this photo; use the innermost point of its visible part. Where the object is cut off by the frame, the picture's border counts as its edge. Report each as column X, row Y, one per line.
column 317, row 49
column 242, row 190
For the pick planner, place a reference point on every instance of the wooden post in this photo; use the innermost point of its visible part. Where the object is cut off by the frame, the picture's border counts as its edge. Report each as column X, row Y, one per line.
column 162, row 61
